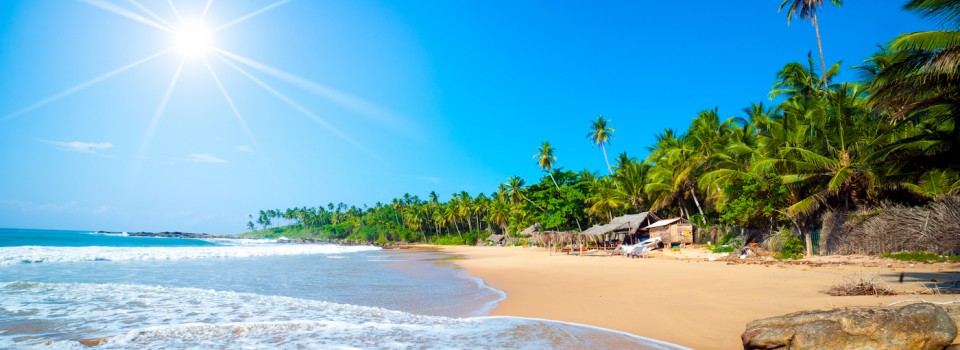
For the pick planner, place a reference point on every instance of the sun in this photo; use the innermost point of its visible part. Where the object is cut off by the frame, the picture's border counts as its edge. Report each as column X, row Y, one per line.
column 193, row 39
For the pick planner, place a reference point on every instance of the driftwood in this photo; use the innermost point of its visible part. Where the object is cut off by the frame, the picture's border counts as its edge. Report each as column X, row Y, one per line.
column 933, row 228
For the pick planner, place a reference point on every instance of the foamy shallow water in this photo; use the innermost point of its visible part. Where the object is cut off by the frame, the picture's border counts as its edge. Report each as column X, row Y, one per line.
column 58, row 315
column 160, row 293
column 46, row 254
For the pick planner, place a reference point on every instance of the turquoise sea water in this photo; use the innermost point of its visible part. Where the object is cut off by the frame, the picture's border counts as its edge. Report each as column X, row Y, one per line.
column 60, row 287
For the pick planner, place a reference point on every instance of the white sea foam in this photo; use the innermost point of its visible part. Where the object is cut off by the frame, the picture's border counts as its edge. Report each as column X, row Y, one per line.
column 244, row 241
column 41, row 254
column 132, row 316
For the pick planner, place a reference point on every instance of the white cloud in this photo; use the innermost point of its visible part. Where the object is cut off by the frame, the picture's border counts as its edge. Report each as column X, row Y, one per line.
column 434, row 179
column 66, row 207
column 244, row 149
column 205, row 158
column 78, row 146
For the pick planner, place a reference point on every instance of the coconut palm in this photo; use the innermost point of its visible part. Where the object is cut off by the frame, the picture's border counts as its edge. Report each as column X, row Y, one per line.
column 807, row 9
column 499, row 213
column 922, row 79
column 601, row 134
column 840, row 163
column 631, row 177
column 936, row 184
column 546, row 159
column 604, row 199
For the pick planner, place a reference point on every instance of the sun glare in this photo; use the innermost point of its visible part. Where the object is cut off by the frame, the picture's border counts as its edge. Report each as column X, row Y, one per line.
column 193, row 39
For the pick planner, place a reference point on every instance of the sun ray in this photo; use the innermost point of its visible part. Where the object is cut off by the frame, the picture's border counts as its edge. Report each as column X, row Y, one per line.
column 248, row 16
column 353, row 103
column 175, row 11
column 82, row 86
column 302, row 110
column 150, row 13
column 155, row 121
column 126, row 13
column 233, row 107
column 206, row 8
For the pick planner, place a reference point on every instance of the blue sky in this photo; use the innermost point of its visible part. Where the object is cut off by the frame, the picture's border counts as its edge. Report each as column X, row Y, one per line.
column 362, row 101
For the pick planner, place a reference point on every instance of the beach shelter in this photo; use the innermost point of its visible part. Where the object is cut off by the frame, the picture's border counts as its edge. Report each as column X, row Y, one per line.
column 529, row 231
column 627, row 228
column 675, row 231
column 496, row 239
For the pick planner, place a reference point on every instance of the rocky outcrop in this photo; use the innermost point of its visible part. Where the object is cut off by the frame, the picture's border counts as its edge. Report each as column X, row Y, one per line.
column 915, row 326
column 179, row 235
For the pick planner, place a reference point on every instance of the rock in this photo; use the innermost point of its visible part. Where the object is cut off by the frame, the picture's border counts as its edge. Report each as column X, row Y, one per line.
column 92, row 342
column 915, row 326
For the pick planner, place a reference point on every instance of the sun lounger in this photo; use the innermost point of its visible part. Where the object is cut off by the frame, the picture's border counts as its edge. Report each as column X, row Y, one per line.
column 643, row 248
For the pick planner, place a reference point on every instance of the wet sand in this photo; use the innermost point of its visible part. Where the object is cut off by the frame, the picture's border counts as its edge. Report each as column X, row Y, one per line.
column 681, row 297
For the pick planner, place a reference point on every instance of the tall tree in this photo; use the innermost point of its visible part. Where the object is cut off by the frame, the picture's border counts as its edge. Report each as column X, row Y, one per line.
column 807, row 9
column 545, row 159
column 922, row 79
column 601, row 134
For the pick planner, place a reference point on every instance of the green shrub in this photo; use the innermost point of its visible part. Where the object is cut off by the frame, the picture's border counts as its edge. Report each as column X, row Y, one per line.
column 728, row 243
column 792, row 247
column 449, row 240
column 924, row 257
column 721, row 248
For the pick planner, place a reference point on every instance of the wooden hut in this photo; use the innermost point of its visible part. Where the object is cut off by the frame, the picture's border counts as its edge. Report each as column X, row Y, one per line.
column 623, row 229
column 673, row 232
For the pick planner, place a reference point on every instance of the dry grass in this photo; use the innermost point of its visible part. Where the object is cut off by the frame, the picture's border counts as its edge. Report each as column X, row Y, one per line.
column 861, row 285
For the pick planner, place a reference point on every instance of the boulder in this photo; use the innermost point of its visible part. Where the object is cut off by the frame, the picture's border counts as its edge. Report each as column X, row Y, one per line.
column 915, row 326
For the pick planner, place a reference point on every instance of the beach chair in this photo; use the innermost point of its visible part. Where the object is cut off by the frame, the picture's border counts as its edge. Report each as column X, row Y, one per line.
column 642, row 249
column 639, row 251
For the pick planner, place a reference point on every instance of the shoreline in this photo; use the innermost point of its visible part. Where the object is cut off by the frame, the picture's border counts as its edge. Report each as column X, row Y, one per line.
column 680, row 298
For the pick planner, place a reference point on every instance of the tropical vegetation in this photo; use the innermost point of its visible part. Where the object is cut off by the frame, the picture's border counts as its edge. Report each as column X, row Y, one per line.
column 823, row 145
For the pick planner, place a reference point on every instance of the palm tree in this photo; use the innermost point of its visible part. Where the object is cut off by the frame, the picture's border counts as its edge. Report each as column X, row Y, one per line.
column 515, row 191
column 499, row 213
column 465, row 208
column 807, row 9
column 840, row 162
column 922, row 78
column 604, row 199
column 600, row 134
column 546, row 159
column 936, row 184
column 630, row 178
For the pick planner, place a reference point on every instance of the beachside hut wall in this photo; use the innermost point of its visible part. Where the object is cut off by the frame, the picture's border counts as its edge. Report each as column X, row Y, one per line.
column 672, row 231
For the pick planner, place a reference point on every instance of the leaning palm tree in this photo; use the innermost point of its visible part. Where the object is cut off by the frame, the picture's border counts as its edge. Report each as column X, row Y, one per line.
column 546, row 159
column 923, row 79
column 807, row 9
column 600, row 134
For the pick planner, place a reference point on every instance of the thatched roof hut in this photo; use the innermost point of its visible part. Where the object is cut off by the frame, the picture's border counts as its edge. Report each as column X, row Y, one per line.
column 621, row 227
column 529, row 231
column 496, row 239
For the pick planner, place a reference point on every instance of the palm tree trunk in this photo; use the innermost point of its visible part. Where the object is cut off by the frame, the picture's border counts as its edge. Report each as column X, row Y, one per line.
column 534, row 204
column 555, row 180
column 695, row 201
column 604, row 149
column 823, row 64
column 458, row 230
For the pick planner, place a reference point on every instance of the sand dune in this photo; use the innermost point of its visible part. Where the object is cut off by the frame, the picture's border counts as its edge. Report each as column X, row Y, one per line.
column 679, row 297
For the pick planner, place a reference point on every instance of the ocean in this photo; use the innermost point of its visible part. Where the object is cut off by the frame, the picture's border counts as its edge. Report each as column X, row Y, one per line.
column 72, row 289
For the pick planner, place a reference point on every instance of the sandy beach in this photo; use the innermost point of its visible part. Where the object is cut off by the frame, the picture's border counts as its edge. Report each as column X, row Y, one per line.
column 681, row 297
